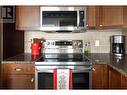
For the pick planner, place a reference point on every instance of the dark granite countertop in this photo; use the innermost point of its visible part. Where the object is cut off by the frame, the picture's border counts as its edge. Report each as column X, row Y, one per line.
column 22, row 58
column 119, row 64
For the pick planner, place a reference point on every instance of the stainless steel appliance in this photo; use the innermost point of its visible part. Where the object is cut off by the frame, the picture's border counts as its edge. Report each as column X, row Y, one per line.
column 63, row 19
column 118, row 45
column 63, row 54
column 1, row 50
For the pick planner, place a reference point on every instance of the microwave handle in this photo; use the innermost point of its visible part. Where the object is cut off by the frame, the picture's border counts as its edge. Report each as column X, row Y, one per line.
column 78, row 18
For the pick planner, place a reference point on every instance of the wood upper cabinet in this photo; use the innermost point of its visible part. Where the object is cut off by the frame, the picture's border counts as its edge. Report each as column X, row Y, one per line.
column 100, row 76
column 104, row 17
column 18, row 76
column 125, row 17
column 97, row 17
column 91, row 17
column 27, row 17
column 114, row 79
column 111, row 17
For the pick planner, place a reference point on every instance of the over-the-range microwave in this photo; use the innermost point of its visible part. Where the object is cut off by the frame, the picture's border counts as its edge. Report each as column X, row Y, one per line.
column 63, row 19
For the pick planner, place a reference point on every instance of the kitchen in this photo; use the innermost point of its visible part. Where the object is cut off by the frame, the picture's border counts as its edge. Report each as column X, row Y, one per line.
column 19, row 65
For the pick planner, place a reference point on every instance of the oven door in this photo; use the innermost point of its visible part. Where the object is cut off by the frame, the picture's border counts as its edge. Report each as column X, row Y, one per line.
column 81, row 79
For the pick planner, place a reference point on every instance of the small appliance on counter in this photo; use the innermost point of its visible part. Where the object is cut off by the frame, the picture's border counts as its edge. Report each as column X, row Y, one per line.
column 36, row 46
column 118, row 45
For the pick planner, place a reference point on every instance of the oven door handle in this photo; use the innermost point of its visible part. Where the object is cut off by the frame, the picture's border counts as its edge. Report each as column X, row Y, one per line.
column 73, row 70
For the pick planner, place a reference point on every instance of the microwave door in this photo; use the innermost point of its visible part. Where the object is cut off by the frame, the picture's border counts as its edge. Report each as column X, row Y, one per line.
column 59, row 20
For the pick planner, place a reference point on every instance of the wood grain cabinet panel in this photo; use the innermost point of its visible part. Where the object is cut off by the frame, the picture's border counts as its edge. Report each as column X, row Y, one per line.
column 100, row 76
column 114, row 79
column 98, row 17
column 21, row 81
column 112, row 17
column 125, row 17
column 18, row 68
column 104, row 17
column 18, row 76
column 27, row 17
column 123, row 82
column 91, row 17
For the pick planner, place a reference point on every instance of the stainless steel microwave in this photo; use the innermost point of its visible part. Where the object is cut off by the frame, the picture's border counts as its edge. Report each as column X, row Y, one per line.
column 63, row 19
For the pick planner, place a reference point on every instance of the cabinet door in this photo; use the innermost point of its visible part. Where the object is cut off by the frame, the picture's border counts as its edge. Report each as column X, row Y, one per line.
column 21, row 68
column 100, row 76
column 27, row 17
column 112, row 17
column 18, row 76
column 19, row 82
column 90, row 16
column 125, row 17
column 123, row 82
column 114, row 79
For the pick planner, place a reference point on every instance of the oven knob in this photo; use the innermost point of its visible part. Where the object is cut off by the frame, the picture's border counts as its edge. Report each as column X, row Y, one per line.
column 79, row 43
column 52, row 43
column 65, row 43
column 75, row 45
column 48, row 43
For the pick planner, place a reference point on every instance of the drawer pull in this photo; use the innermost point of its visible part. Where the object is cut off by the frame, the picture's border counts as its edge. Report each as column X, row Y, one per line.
column 93, row 69
column 32, row 80
column 100, row 25
column 18, row 69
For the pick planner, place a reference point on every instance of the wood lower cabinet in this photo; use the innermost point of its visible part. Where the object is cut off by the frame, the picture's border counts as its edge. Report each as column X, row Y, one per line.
column 21, row 76
column 123, row 82
column 18, row 76
column 114, row 79
column 100, row 76
column 20, row 81
column 105, row 77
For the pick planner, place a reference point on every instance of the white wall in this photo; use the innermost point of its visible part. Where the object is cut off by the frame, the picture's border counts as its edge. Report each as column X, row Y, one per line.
column 102, row 35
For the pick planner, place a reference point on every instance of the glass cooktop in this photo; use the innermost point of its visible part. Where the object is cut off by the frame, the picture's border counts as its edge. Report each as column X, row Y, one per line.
column 63, row 58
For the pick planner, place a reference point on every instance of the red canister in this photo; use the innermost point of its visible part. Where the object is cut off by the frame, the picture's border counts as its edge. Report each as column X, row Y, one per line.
column 36, row 48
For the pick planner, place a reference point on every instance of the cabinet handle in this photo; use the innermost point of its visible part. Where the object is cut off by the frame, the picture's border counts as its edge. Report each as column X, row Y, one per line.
column 18, row 69
column 100, row 25
column 93, row 69
column 32, row 80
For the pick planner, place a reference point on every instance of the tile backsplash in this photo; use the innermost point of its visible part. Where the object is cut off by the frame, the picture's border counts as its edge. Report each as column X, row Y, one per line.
column 103, row 36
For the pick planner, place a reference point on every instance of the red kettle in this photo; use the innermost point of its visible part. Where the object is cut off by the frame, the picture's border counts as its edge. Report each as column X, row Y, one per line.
column 36, row 48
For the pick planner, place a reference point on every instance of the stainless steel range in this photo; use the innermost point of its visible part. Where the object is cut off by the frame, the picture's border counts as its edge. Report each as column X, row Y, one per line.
column 63, row 54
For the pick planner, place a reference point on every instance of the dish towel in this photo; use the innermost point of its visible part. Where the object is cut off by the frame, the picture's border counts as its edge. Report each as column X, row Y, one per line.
column 62, row 79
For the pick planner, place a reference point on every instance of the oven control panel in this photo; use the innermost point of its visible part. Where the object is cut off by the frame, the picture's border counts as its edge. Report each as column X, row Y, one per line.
column 63, row 44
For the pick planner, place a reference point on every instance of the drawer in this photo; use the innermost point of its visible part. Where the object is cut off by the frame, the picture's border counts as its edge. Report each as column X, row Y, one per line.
column 19, row 68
